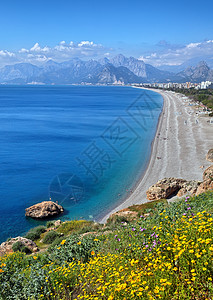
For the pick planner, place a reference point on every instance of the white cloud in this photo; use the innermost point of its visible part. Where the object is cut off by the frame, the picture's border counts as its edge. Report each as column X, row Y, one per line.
column 37, row 48
column 193, row 45
column 176, row 55
column 85, row 43
column 7, row 57
column 6, row 53
column 38, row 54
column 163, row 54
column 23, row 50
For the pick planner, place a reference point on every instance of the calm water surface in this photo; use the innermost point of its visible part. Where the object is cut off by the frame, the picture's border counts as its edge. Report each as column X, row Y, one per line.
column 84, row 147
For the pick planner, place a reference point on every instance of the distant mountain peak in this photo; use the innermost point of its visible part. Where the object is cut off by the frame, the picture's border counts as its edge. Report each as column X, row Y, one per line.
column 103, row 61
column 51, row 62
column 120, row 69
column 201, row 72
column 202, row 63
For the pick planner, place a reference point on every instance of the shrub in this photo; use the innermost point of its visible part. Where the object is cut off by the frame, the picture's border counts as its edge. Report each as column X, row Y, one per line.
column 73, row 226
column 117, row 220
column 50, row 237
column 167, row 255
column 73, row 248
column 50, row 224
column 35, row 233
column 18, row 246
column 32, row 236
column 56, row 242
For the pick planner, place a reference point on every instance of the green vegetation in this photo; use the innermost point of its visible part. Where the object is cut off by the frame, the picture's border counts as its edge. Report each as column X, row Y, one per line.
column 35, row 233
column 50, row 224
column 204, row 96
column 18, row 246
column 50, row 237
column 73, row 226
column 165, row 253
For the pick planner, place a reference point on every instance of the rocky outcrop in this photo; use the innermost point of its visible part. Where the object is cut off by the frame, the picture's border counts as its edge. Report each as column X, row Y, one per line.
column 57, row 223
column 189, row 187
column 207, row 183
column 6, row 247
column 164, row 188
column 208, row 173
column 44, row 210
column 168, row 187
column 209, row 155
column 205, row 186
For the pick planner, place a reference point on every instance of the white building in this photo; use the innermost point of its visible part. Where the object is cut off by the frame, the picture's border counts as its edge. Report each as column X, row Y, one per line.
column 205, row 84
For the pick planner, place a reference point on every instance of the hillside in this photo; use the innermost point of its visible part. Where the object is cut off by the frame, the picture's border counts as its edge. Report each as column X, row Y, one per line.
column 163, row 252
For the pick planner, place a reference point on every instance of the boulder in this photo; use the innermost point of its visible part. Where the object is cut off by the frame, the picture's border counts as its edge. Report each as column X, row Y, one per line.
column 6, row 247
column 208, row 173
column 209, row 155
column 207, row 183
column 57, row 223
column 168, row 187
column 189, row 188
column 44, row 210
column 165, row 188
column 205, row 186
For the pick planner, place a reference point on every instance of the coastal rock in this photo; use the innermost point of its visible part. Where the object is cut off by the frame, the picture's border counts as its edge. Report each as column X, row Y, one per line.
column 208, row 173
column 209, row 155
column 44, row 210
column 207, row 183
column 57, row 223
column 189, row 187
column 205, row 186
column 165, row 188
column 6, row 247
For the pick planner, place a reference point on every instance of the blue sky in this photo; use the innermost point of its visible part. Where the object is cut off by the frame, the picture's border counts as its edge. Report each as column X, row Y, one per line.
column 135, row 28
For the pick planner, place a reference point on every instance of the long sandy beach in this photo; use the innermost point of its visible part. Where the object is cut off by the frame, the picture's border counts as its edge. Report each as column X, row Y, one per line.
column 179, row 148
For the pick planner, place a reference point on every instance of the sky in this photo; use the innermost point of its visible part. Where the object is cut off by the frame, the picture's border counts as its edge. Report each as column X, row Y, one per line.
column 36, row 31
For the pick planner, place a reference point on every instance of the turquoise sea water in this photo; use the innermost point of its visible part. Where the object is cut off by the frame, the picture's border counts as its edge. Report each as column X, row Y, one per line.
column 84, row 147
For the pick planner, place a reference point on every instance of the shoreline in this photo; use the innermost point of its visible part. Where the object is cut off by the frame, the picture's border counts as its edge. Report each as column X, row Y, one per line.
column 181, row 141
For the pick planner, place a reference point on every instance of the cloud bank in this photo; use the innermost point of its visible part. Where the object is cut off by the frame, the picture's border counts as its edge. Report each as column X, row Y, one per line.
column 61, row 52
column 176, row 54
column 164, row 54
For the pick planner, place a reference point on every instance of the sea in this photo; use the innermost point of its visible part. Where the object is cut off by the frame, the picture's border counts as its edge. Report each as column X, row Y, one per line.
column 84, row 147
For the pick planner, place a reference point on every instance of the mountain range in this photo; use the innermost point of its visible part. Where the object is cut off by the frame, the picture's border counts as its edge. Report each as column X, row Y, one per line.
column 119, row 69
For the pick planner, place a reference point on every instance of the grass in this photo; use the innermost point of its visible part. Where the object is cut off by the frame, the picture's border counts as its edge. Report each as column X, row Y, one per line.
column 168, row 254
column 146, row 207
